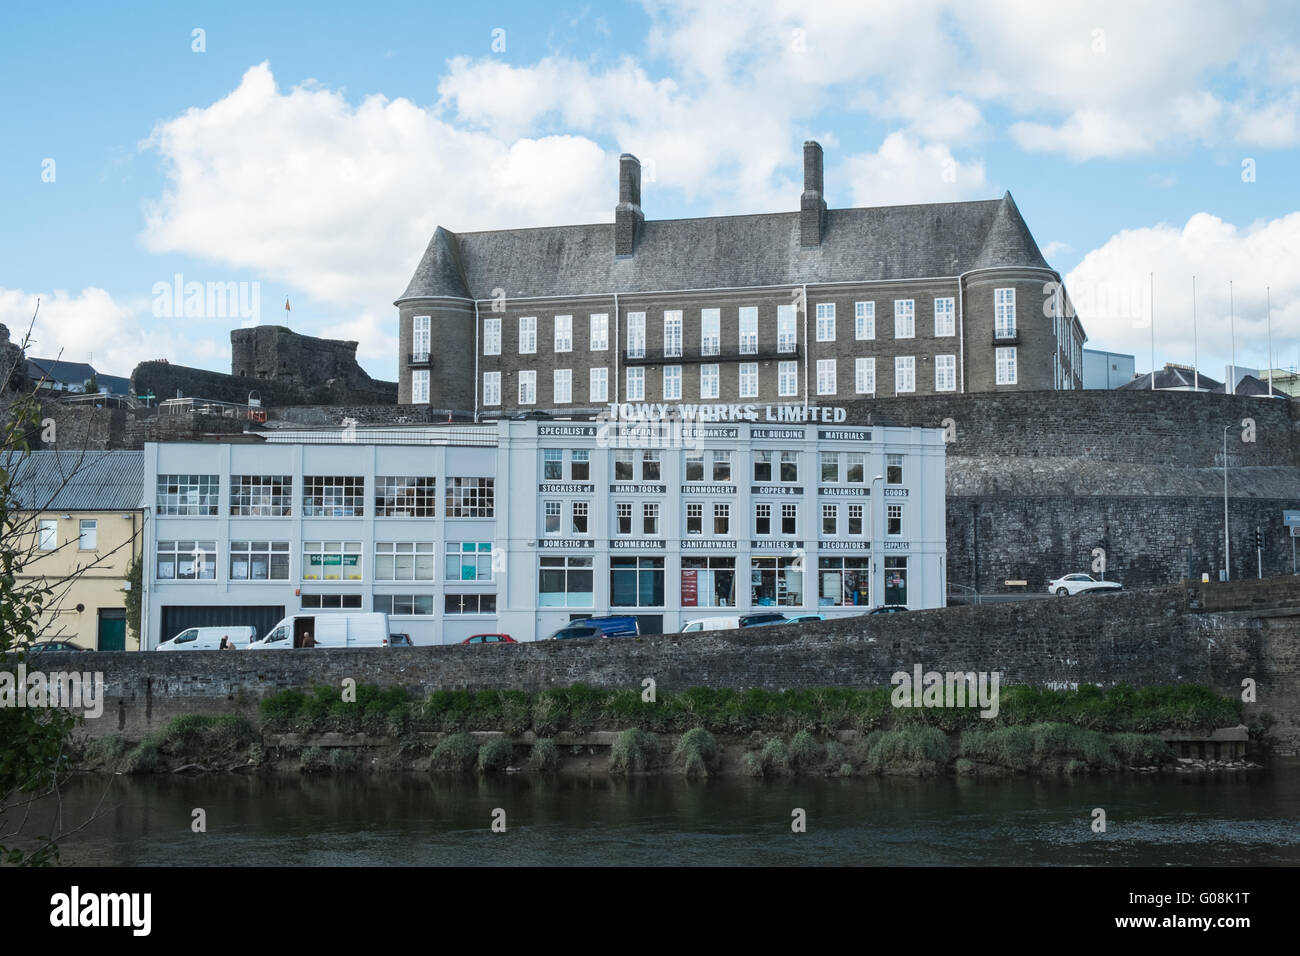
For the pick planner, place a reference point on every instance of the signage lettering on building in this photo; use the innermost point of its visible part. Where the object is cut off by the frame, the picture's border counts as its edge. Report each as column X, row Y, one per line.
column 567, row 431
column 660, row 411
column 554, row 544
column 832, row 491
column 844, row 434
column 554, row 487
column 789, row 490
column 895, row 492
column 897, row 545
column 706, row 544
column 709, row 431
column 790, row 434
column 708, row 489
column 840, row 545
column 631, row 489
column 638, row 544
column 785, row 547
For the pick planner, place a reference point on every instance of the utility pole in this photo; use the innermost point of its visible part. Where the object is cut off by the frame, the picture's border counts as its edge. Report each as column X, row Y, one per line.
column 1232, row 327
column 1268, row 298
column 1196, row 362
column 1153, row 330
column 1227, row 558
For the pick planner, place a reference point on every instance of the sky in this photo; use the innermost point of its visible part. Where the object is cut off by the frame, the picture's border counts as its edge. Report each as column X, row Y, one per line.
column 307, row 151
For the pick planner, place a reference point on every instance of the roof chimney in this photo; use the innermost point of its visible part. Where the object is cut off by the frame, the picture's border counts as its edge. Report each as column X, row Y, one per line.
column 812, row 207
column 627, row 214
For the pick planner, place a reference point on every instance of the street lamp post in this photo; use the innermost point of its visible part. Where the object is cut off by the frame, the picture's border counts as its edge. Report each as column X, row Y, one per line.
column 1227, row 558
column 876, row 532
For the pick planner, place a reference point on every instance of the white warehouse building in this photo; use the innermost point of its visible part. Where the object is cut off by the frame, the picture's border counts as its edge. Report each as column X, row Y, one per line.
column 520, row 526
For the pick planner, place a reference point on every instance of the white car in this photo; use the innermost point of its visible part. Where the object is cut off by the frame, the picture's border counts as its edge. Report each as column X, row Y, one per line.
column 1079, row 584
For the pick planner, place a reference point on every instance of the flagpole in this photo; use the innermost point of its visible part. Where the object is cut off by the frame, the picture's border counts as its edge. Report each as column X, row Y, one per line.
column 1153, row 331
column 1196, row 375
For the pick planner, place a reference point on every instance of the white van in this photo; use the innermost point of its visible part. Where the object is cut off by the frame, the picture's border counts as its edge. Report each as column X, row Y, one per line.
column 209, row 638
column 328, row 629
column 712, row 624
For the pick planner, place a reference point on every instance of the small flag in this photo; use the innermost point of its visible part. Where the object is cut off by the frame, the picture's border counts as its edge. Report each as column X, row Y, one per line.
column 286, row 303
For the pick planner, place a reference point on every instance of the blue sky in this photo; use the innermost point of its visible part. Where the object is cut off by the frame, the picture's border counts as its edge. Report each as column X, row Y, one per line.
column 312, row 148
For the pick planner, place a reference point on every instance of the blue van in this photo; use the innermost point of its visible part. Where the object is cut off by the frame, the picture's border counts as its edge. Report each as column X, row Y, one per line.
column 597, row 627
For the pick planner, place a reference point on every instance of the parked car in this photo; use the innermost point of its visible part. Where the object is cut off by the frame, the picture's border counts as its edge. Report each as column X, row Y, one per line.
column 598, row 627
column 1080, row 584
column 400, row 640
column 54, row 646
column 711, row 624
column 329, row 629
column 762, row 619
column 490, row 639
column 888, row 609
column 806, row 618
column 209, row 638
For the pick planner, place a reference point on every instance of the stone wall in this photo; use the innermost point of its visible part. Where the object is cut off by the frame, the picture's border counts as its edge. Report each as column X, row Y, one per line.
column 13, row 368
column 100, row 429
column 1147, row 638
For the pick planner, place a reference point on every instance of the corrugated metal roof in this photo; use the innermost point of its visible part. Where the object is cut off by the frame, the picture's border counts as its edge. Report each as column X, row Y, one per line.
column 78, row 480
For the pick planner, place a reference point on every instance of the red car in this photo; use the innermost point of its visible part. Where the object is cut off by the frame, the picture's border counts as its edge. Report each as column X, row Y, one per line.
column 490, row 639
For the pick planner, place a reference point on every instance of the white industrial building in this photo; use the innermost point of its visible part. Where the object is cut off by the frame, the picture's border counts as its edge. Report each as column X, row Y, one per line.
column 519, row 526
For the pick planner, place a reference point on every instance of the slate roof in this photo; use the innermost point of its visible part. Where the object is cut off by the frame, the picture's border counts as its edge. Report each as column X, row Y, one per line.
column 79, row 481
column 1173, row 376
column 862, row 244
column 75, row 373
column 1250, row 385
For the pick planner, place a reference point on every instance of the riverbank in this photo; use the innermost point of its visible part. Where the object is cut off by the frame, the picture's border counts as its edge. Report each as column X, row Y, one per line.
column 698, row 733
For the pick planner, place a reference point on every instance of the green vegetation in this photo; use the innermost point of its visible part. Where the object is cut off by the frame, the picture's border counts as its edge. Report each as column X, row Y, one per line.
column 495, row 755
column 545, row 756
column 696, row 753
column 1037, row 745
column 634, row 750
column 457, row 752
column 908, row 749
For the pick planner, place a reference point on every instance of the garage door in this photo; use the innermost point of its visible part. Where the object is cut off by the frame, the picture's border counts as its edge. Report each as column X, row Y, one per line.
column 177, row 618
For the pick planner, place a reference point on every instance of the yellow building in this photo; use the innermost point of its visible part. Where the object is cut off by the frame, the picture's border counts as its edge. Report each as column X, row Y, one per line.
column 81, row 530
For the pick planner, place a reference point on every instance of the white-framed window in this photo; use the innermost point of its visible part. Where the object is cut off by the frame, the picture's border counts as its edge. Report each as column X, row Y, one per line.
column 830, row 520
column 333, row 496
column 864, row 376
column 48, row 534
column 826, row 376
column 187, row 560
column 331, row 561
column 749, row 380
column 396, row 560
column 904, row 318
column 580, row 524
column 491, row 336
column 635, row 385
column 672, row 383
column 650, row 518
column 722, row 519
column 1004, row 313
column 259, row 560
column 623, row 517
column 786, row 336
column 672, row 332
column 552, row 516
column 708, row 381
column 403, row 605
column 599, row 385
column 420, row 337
column 563, row 386
column 710, row 331
column 636, row 335
column 491, row 388
column 1006, row 365
column 864, row 320
column 857, row 525
column 190, row 495
column 88, row 531
column 789, row 518
column 528, row 387
column 420, row 386
column 894, row 520
column 904, row 374
column 528, row 335
column 468, row 561
column 945, row 317
column 599, row 331
column 825, row 321
column 787, row 378
column 564, row 333
column 749, row 330
column 893, row 469
column 945, row 373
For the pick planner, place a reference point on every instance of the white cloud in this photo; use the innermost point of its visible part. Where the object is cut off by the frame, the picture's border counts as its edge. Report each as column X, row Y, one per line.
column 91, row 326
column 905, row 170
column 1110, row 290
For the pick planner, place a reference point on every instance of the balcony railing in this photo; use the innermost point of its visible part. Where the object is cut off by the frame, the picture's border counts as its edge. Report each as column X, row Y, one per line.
column 416, row 359
column 658, row 357
column 1006, row 336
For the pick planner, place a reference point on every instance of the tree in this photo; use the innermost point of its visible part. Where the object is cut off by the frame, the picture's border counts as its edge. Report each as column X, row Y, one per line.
column 34, row 741
column 135, row 582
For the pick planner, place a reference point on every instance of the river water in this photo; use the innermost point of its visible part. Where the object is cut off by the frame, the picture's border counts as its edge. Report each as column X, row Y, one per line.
column 411, row 819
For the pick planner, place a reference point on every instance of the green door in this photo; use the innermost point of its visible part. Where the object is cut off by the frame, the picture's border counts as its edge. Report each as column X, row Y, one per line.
column 112, row 629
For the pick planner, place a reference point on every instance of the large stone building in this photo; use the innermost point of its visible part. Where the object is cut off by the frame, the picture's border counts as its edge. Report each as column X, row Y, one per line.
column 921, row 299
